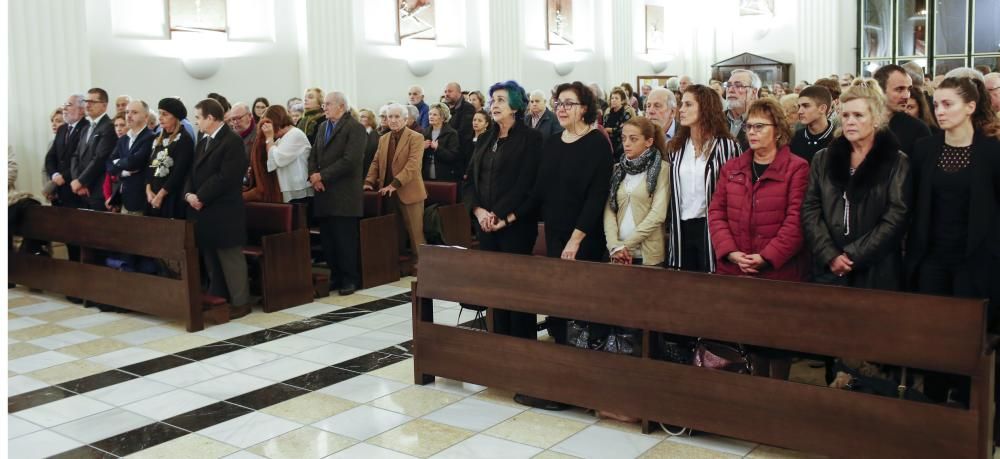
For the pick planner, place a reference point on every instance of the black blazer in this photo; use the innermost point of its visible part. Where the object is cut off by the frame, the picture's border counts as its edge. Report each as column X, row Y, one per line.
column 370, row 148
column 217, row 179
column 449, row 162
column 339, row 162
column 983, row 241
column 461, row 121
column 59, row 158
column 515, row 178
column 135, row 160
column 89, row 161
column 548, row 125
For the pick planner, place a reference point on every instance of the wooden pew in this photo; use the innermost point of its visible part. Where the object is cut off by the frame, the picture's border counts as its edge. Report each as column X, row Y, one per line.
column 456, row 224
column 147, row 236
column 280, row 247
column 379, row 244
column 915, row 331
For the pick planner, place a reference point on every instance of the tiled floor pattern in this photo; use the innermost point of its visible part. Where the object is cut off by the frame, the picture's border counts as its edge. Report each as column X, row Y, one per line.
column 331, row 378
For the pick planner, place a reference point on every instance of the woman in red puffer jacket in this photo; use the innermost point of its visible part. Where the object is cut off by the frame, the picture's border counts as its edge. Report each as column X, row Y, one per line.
column 754, row 215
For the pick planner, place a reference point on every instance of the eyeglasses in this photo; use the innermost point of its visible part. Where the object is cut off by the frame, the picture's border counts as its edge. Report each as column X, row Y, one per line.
column 757, row 127
column 567, row 104
column 238, row 117
column 93, row 101
column 739, row 85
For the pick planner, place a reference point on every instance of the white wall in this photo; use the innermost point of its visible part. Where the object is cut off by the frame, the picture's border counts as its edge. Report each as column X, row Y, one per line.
column 277, row 48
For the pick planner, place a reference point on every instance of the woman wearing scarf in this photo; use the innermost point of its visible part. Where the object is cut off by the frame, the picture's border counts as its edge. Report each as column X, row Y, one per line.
column 313, row 116
column 170, row 162
column 640, row 189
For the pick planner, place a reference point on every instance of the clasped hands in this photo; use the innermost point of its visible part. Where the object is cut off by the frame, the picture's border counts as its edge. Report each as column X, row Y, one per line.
column 489, row 221
column 749, row 264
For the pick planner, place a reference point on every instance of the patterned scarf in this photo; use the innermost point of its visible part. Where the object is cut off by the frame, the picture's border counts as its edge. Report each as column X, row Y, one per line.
column 648, row 162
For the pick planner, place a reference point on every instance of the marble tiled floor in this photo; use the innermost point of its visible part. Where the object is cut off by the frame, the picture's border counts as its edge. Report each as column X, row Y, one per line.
column 333, row 378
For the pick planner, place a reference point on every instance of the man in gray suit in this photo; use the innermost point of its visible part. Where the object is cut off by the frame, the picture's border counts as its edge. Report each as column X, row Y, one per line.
column 335, row 172
column 96, row 144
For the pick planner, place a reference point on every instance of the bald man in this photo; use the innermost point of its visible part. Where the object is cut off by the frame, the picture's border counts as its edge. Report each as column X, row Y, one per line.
column 461, row 119
column 130, row 159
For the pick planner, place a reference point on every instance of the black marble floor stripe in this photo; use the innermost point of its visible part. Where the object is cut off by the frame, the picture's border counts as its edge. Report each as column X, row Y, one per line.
column 202, row 418
column 104, row 379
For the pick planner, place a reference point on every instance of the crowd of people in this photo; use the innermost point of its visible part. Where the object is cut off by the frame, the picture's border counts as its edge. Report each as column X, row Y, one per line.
column 890, row 182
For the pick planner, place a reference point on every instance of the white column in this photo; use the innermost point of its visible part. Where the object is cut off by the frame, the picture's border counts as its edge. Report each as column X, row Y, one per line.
column 503, row 43
column 328, row 54
column 819, row 38
column 48, row 60
column 621, row 63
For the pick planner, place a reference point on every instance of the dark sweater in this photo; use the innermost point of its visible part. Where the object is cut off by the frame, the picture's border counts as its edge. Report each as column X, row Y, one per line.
column 805, row 145
column 573, row 184
column 908, row 130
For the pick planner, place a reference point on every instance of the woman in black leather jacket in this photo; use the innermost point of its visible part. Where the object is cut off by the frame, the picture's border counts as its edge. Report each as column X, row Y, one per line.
column 856, row 208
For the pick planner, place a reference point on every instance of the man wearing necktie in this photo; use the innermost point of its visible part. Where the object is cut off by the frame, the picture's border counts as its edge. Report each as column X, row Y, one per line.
column 216, row 206
column 97, row 141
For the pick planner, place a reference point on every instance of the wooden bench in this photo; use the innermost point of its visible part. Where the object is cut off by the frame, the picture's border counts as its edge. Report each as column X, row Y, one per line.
column 379, row 244
column 280, row 247
column 159, row 238
column 915, row 331
column 456, row 224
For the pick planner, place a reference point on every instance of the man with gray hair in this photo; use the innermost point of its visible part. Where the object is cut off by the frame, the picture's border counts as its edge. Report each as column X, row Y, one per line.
column 993, row 87
column 416, row 95
column 684, row 81
column 58, row 160
column 643, row 93
column 539, row 117
column 240, row 119
column 121, row 104
column 661, row 109
column 336, row 173
column 741, row 90
column 396, row 175
column 413, row 118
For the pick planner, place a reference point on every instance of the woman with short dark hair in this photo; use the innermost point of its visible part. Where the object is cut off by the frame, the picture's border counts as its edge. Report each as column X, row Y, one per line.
column 616, row 117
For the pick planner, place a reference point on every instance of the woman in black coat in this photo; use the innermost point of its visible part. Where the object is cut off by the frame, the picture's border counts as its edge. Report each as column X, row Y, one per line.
column 500, row 178
column 170, row 163
column 856, row 208
column 443, row 160
column 953, row 247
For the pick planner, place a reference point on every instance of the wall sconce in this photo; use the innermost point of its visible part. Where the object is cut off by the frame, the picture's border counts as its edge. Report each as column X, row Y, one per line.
column 420, row 68
column 202, row 68
column 659, row 66
column 563, row 68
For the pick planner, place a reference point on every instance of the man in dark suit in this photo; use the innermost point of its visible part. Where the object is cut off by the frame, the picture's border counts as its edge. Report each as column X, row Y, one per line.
column 131, row 157
column 461, row 119
column 216, row 200
column 59, row 159
column 96, row 144
column 336, row 174
column 539, row 117
column 896, row 84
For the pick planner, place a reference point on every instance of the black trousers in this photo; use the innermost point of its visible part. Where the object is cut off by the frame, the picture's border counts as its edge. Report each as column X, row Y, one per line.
column 591, row 249
column 340, row 239
column 694, row 245
column 66, row 198
column 947, row 278
column 518, row 238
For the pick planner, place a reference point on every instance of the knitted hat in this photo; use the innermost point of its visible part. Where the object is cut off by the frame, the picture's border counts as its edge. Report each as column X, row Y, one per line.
column 173, row 106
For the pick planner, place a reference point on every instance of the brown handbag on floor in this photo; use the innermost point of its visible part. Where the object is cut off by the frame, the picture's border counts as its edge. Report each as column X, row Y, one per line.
column 722, row 356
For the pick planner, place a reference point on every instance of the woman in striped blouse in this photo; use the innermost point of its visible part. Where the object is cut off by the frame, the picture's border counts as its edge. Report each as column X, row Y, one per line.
column 697, row 152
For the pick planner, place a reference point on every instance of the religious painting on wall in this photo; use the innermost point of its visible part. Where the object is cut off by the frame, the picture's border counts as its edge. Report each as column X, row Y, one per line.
column 560, row 22
column 756, row 7
column 654, row 28
column 415, row 19
column 198, row 15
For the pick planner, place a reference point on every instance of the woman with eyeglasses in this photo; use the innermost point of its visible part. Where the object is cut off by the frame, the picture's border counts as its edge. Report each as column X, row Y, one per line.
column 618, row 114
column 700, row 147
column 856, row 207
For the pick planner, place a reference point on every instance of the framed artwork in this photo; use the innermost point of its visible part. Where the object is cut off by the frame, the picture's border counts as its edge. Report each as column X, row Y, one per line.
column 415, row 20
column 198, row 15
column 559, row 23
column 756, row 7
column 654, row 28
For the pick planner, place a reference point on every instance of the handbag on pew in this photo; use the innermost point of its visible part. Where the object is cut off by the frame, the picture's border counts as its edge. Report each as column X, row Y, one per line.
column 623, row 340
column 718, row 355
column 586, row 335
column 871, row 378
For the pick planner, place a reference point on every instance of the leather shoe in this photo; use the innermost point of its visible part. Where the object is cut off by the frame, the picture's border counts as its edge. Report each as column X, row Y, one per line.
column 347, row 290
column 535, row 402
column 235, row 312
column 74, row 300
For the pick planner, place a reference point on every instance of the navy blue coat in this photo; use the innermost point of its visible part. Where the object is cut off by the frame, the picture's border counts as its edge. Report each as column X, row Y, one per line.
column 135, row 160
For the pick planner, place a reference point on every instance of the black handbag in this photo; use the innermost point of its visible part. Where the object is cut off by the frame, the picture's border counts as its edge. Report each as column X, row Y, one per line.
column 586, row 335
column 622, row 340
column 718, row 355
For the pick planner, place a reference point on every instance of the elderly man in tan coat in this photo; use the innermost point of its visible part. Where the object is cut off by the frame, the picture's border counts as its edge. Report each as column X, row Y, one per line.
column 395, row 173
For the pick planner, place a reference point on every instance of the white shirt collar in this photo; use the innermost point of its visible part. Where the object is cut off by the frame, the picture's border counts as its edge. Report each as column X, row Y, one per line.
column 212, row 136
column 97, row 120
